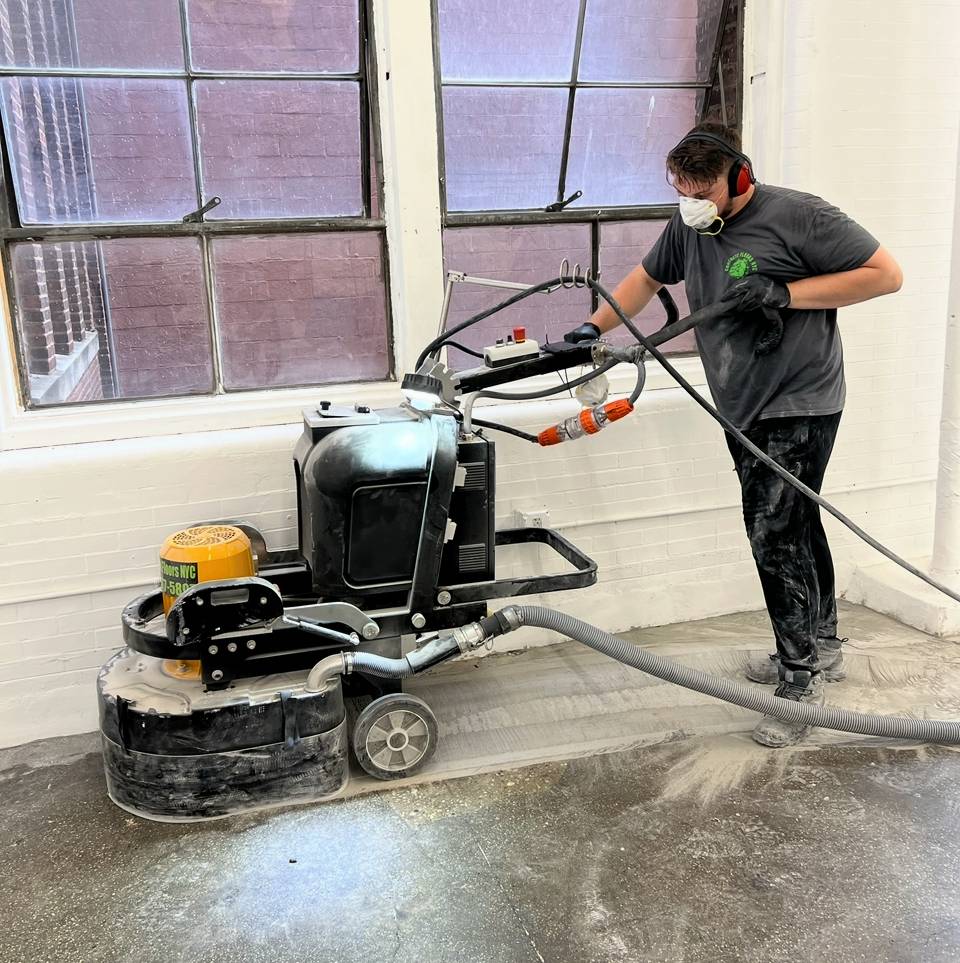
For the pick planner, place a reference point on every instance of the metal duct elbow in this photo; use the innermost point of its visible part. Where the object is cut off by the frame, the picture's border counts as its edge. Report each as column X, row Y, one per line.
column 325, row 670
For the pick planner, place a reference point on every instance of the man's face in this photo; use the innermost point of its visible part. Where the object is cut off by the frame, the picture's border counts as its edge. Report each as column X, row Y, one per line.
column 715, row 191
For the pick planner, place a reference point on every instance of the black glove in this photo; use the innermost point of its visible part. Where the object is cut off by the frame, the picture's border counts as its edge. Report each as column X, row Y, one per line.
column 587, row 331
column 772, row 327
column 757, row 291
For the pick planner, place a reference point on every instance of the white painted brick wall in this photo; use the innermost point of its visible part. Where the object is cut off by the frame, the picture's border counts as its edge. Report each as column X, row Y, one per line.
column 866, row 95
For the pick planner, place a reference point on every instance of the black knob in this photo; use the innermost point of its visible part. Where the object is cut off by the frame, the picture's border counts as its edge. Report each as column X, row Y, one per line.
column 324, row 405
column 363, row 410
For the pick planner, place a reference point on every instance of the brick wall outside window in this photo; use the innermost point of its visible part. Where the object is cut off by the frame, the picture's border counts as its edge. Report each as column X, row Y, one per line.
column 88, row 150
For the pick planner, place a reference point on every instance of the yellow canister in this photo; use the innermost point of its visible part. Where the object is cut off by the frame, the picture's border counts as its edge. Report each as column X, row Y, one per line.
column 204, row 553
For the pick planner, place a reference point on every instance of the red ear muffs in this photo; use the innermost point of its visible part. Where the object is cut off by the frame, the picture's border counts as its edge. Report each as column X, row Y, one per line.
column 741, row 174
column 740, row 178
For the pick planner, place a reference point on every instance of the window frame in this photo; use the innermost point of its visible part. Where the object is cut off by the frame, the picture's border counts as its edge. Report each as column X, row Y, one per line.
column 593, row 216
column 13, row 231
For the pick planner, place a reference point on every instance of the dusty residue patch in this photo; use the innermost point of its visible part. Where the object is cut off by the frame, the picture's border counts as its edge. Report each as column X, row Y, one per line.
column 713, row 767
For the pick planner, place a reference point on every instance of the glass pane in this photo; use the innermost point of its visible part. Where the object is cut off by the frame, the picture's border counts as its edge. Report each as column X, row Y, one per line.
column 619, row 142
column 301, row 309
column 502, row 147
column 506, row 40
column 648, row 40
column 99, row 150
column 91, row 33
column 623, row 245
column 526, row 255
column 275, row 35
column 277, row 148
column 112, row 319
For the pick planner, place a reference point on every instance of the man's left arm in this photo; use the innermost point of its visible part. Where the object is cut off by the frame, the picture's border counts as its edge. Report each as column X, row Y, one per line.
column 880, row 274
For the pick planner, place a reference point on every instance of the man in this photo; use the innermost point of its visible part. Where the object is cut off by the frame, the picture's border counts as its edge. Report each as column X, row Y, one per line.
column 762, row 249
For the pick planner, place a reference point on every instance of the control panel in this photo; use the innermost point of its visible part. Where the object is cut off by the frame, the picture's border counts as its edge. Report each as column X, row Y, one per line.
column 514, row 347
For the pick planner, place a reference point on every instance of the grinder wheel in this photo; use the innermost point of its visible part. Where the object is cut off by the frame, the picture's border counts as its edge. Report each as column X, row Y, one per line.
column 395, row 736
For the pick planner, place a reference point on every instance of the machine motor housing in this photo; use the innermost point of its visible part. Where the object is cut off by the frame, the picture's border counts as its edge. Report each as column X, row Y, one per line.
column 392, row 504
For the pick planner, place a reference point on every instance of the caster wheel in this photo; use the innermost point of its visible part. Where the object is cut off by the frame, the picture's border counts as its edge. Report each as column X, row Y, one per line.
column 395, row 736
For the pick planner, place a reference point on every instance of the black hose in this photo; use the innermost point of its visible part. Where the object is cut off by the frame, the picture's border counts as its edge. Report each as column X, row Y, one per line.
column 641, row 381
column 750, row 697
column 506, row 428
column 669, row 305
column 464, row 349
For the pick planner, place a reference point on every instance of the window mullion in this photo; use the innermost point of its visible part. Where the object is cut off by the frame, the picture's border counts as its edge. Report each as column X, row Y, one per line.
column 715, row 60
column 9, row 212
column 365, row 148
column 132, row 73
column 99, row 229
column 206, row 256
column 595, row 261
column 565, row 149
column 568, row 216
column 438, row 85
column 568, row 126
column 213, row 312
column 366, row 187
column 16, row 341
column 191, row 103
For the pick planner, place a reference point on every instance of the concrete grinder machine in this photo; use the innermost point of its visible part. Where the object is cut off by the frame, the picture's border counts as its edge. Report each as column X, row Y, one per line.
column 249, row 675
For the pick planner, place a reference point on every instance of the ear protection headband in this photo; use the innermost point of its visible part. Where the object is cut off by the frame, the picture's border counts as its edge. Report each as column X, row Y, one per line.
column 741, row 174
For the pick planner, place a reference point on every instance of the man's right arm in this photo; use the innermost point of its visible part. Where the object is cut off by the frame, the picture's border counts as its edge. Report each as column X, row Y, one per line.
column 633, row 294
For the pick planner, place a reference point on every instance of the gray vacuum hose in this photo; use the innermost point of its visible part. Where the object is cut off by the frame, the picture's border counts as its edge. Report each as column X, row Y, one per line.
column 344, row 663
column 381, row 666
column 428, row 655
column 844, row 720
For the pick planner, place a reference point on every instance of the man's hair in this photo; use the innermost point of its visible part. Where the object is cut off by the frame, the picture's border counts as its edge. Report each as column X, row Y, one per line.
column 700, row 161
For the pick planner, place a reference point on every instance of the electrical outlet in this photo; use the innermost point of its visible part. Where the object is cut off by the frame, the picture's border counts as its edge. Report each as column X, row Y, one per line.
column 533, row 518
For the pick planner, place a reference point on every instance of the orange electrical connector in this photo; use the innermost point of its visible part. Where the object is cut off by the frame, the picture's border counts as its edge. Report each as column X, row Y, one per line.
column 588, row 422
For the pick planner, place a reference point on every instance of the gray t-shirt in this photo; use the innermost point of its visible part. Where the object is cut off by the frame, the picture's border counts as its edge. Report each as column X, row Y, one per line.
column 786, row 235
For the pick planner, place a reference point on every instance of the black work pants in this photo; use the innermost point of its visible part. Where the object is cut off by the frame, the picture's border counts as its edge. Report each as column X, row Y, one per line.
column 786, row 535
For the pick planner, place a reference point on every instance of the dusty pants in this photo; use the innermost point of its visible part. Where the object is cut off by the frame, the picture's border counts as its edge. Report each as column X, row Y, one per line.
column 786, row 535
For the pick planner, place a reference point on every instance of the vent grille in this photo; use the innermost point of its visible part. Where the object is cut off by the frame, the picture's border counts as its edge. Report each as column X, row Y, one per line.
column 476, row 479
column 473, row 558
column 206, row 535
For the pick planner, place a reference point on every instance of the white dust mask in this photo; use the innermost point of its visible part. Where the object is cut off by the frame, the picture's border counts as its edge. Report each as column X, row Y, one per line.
column 700, row 213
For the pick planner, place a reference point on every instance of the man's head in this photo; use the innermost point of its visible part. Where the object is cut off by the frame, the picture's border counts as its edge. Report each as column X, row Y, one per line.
column 702, row 168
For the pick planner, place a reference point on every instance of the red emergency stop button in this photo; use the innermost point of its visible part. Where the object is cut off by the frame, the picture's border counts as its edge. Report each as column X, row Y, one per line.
column 519, row 335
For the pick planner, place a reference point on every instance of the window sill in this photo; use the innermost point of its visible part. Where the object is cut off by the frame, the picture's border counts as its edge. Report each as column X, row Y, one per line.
column 112, row 421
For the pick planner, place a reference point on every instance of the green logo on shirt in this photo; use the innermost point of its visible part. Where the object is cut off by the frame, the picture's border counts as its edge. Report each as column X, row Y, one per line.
column 741, row 264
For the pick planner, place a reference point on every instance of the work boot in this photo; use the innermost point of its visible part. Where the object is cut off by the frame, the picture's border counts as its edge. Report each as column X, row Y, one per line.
column 766, row 670
column 798, row 685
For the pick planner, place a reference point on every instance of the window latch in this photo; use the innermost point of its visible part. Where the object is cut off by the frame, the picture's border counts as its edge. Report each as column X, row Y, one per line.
column 197, row 215
column 560, row 205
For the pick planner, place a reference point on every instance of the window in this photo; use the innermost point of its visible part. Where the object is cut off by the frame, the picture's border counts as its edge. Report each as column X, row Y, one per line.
column 190, row 199
column 570, row 105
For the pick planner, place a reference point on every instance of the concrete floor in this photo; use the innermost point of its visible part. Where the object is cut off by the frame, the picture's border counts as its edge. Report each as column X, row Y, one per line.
column 693, row 849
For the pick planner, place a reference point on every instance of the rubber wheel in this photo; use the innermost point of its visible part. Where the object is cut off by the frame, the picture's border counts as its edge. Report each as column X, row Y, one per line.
column 395, row 736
